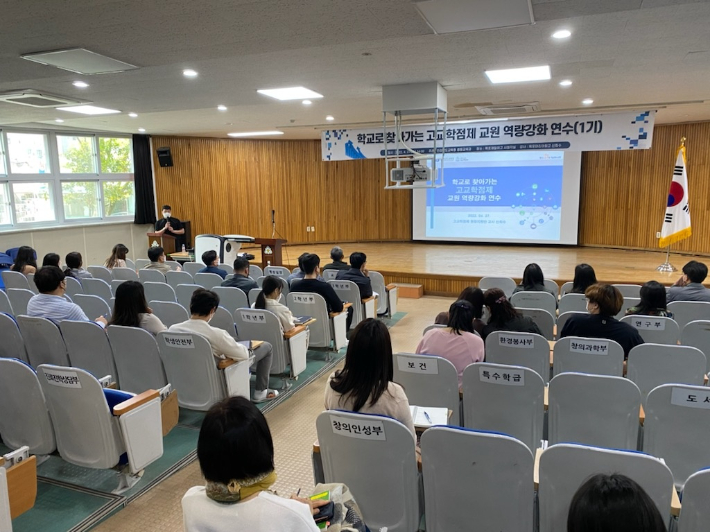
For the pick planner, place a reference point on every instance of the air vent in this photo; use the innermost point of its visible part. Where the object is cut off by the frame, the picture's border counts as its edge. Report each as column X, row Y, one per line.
column 509, row 109
column 33, row 98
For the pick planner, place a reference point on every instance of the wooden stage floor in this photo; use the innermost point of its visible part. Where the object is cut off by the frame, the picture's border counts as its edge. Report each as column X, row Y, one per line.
column 445, row 269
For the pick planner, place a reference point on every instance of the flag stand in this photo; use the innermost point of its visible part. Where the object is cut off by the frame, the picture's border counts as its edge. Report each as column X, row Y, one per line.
column 667, row 266
column 676, row 224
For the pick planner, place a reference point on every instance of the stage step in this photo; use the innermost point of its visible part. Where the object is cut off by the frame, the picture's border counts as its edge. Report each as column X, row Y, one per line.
column 411, row 291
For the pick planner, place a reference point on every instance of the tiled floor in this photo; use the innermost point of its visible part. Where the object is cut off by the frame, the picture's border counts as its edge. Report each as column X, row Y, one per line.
column 292, row 427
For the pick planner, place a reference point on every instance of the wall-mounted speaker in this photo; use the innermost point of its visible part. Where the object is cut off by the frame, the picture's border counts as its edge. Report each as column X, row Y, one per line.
column 164, row 157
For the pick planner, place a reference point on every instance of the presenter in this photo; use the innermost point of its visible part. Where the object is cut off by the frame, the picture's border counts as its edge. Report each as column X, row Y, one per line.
column 172, row 227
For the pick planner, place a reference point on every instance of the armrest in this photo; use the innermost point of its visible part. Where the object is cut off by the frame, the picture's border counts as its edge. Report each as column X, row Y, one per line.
column 293, row 332
column 536, row 468
column 316, row 447
column 225, row 363
column 368, row 299
column 675, row 503
column 345, row 307
column 135, row 402
column 546, row 397
column 22, row 486
column 390, row 286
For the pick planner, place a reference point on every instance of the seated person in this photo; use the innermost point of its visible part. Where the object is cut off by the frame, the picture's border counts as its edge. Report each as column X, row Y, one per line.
column 171, row 226
column 50, row 302
column 157, row 260
column 457, row 343
column 584, row 277
column 131, row 309
column 52, row 259
column 117, row 258
column 298, row 274
column 365, row 383
column 653, row 301
column 689, row 287
column 603, row 303
column 613, row 503
column 203, row 306
column 504, row 317
column 236, row 455
column 25, row 261
column 533, row 281
column 268, row 299
column 357, row 274
column 211, row 262
column 336, row 255
column 74, row 266
column 473, row 295
column 310, row 283
column 241, row 277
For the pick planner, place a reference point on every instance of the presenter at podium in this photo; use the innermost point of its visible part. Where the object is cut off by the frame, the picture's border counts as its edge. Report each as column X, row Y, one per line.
column 171, row 227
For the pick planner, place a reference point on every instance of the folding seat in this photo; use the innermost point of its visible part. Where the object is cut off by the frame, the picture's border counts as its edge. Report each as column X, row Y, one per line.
column 595, row 356
column 5, row 516
column 387, row 302
column 174, row 265
column 14, row 280
column 124, row 274
column 192, row 369
column 19, row 298
column 433, row 326
column 429, row 381
column 375, row 457
column 543, row 318
column 535, row 300
column 135, row 353
column 88, row 348
column 697, row 334
column 253, row 294
column 114, row 286
column 12, row 344
column 176, row 278
column 686, row 311
column 349, row 292
column 184, row 294
column 553, row 287
column 207, row 280
column 566, row 288
column 100, row 272
column 254, row 271
column 73, row 287
column 278, row 271
column 98, row 287
column 159, row 291
column 629, row 290
column 192, row 267
column 154, row 276
column 5, row 305
column 695, row 514
column 655, row 329
column 231, row 298
column 43, row 341
column 130, row 264
column 529, row 350
column 507, row 399
column 93, row 306
column 226, row 267
column 572, row 303
column 563, row 317
column 95, row 427
column 329, row 275
column 476, row 481
column 504, row 283
column 169, row 312
column 626, row 305
column 329, row 328
column 141, row 263
column 224, row 319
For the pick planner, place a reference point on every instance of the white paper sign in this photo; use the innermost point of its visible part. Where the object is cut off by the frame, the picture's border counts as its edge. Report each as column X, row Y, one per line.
column 648, row 323
column 506, row 377
column 418, row 365
column 66, row 379
column 340, row 285
column 594, row 347
column 690, row 398
column 371, row 429
column 182, row 342
column 252, row 317
column 306, row 299
column 516, row 340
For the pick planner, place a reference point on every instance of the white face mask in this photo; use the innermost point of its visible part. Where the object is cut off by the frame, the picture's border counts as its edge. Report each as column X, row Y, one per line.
column 166, row 215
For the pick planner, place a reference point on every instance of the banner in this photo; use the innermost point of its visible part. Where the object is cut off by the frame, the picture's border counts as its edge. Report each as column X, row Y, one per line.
column 629, row 130
column 676, row 223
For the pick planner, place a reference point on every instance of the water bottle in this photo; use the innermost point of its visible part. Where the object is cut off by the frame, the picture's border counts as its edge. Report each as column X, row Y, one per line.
column 183, row 248
column 268, row 263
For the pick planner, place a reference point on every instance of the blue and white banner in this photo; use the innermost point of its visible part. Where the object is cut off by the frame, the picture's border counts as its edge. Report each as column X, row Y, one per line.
column 630, row 130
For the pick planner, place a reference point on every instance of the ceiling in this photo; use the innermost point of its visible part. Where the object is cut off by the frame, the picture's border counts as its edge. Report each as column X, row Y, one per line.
column 654, row 53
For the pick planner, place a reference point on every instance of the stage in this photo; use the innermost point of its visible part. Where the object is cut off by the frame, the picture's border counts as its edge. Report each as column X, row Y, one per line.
column 445, row 269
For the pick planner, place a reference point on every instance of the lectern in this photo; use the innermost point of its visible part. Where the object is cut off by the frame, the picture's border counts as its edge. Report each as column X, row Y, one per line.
column 166, row 242
column 270, row 251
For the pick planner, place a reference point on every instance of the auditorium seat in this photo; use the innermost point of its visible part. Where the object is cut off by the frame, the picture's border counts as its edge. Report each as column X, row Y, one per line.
column 153, row 276
column 695, row 514
column 596, row 356
column 329, row 274
column 174, row 265
column 135, row 353
column 434, row 326
column 629, row 290
column 141, row 263
column 529, row 350
column 169, row 312
column 5, row 305
column 253, row 294
column 14, row 280
column 31, row 282
column 19, row 298
column 93, row 306
column 564, row 316
column 124, row 274
column 207, row 280
column 88, row 348
column 626, row 305
column 115, row 284
column 543, row 319
column 176, row 278
column 697, row 334
column 278, row 271
column 573, row 303
column 374, row 456
column 686, row 311
column 224, row 319
column 192, row 370
column 159, row 291
column 100, row 272
column 504, row 283
column 349, row 292
column 553, row 287
column 184, row 294
column 73, row 287
column 192, row 267
column 130, row 264
column 231, row 298
column 5, row 516
column 533, row 300
column 98, row 287
column 513, row 405
column 329, row 329
column 12, row 344
column 254, row 271
column 387, row 302
column 43, row 341
column 476, row 480
column 566, row 288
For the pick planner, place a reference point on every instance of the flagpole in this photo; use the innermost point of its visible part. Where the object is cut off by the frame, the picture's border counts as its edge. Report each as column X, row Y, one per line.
column 667, row 267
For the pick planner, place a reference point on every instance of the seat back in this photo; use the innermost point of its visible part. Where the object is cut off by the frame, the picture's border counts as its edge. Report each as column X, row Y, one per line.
column 504, row 283
column 114, row 286
column 433, row 326
column 278, row 271
column 655, row 329
column 124, row 274
column 544, row 320
column 529, row 350
column 573, row 303
column 329, row 274
column 97, row 287
column 141, row 263
column 258, row 324
column 192, row 267
column 14, row 280
column 93, row 306
column 169, row 312
column 87, row 433
column 594, row 410
column 223, row 319
column 553, row 287
column 311, row 304
column 138, row 364
column 507, row 399
column 626, row 305
column 31, row 282
column 88, row 348
column 207, row 280
column 695, row 514
column 562, row 319
column 629, row 290
column 153, row 276
column 5, row 515
column 541, row 300
column 183, row 292
column 253, row 294
column 231, row 298
column 566, row 288
column 160, row 291
column 429, row 381
column 73, row 287
column 100, row 272
column 24, row 418
column 378, row 286
column 686, row 311
column 174, row 265
column 697, row 334
column 349, row 292
column 130, row 264
column 595, row 356
column 471, row 475
column 565, row 467
column 5, row 305
column 12, row 344
column 677, row 428
column 19, row 298
column 254, row 271
column 650, row 365
column 374, row 456
column 43, row 341
column 176, row 278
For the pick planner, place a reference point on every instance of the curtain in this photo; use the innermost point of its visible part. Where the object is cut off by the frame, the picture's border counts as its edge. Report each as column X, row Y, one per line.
column 143, row 178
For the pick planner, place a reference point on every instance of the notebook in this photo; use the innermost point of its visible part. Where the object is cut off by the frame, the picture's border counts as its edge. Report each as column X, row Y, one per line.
column 437, row 415
column 300, row 320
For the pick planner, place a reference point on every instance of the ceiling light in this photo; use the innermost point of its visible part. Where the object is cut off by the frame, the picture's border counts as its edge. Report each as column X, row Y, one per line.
column 561, row 34
column 330, row 118
column 255, row 133
column 133, row 115
column 80, row 84
column 59, row 120
column 89, row 110
column 221, row 107
column 587, row 101
column 514, row 75
column 141, row 130
column 565, row 83
column 306, row 102
column 290, row 93
column 189, row 73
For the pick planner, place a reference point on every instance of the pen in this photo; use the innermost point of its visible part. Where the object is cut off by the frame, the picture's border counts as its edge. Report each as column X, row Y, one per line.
column 298, row 492
column 427, row 417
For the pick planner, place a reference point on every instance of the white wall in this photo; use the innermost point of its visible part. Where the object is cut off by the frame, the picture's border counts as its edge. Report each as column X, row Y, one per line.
column 94, row 242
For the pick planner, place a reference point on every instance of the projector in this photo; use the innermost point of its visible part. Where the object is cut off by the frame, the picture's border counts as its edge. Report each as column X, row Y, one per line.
column 414, row 173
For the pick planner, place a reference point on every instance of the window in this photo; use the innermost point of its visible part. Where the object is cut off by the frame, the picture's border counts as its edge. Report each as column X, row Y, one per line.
column 80, row 199
column 115, row 154
column 3, row 170
column 4, row 205
column 33, row 202
column 76, row 155
column 28, row 153
column 119, row 198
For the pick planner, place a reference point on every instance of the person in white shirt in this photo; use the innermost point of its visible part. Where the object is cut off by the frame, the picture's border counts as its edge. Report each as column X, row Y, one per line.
column 268, row 299
column 203, row 306
column 236, row 455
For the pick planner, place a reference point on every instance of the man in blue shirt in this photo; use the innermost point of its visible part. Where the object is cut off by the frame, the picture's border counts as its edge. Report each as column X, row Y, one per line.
column 211, row 261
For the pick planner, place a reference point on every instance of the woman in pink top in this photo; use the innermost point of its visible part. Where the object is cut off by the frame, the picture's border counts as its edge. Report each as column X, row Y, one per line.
column 457, row 342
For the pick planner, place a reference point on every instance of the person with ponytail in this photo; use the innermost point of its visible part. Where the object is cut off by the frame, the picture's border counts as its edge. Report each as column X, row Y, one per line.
column 503, row 316
column 268, row 299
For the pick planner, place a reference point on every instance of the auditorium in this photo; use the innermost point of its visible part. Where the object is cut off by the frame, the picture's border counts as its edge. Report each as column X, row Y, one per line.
column 372, row 266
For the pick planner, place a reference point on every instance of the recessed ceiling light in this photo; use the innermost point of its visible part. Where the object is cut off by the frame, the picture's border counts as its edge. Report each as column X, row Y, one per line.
column 330, row 118
column 587, row 101
column 141, row 130
column 255, row 133
column 58, row 120
column 133, row 115
column 561, row 34
column 221, row 107
column 80, row 84
column 306, row 102
column 514, row 75
column 565, row 83
column 89, row 110
column 290, row 93
column 189, row 73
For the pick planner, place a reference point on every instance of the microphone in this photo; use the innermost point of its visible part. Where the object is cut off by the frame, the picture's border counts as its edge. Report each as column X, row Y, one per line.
column 273, row 213
column 273, row 223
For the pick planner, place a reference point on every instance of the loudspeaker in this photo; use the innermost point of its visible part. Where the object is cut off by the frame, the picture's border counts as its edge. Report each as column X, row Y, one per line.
column 164, row 157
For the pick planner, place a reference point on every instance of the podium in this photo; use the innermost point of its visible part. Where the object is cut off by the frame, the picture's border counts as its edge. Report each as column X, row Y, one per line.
column 166, row 242
column 270, row 251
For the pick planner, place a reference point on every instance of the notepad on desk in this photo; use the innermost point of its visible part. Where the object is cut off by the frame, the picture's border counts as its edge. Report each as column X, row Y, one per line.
column 300, row 320
column 427, row 416
column 250, row 344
